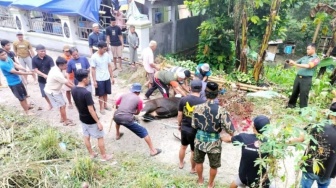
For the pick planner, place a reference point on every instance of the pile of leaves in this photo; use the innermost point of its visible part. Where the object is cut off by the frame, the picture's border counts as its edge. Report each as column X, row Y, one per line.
column 239, row 107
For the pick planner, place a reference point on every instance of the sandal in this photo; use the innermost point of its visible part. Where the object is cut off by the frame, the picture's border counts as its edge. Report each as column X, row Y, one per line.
column 69, row 123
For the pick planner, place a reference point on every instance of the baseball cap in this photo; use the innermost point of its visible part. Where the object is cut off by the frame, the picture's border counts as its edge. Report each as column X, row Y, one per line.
column 66, row 48
column 19, row 33
column 205, row 67
column 113, row 19
column 181, row 75
column 95, row 25
column 260, row 122
column 136, row 87
column 40, row 47
column 196, row 85
column 333, row 107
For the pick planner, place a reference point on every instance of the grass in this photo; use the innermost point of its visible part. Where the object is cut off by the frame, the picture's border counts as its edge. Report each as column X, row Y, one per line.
column 32, row 158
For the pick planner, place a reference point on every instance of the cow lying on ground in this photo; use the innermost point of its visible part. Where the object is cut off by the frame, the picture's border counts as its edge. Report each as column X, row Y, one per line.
column 160, row 108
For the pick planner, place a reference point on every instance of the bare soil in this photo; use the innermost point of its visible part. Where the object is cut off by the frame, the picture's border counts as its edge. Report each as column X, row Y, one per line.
column 162, row 136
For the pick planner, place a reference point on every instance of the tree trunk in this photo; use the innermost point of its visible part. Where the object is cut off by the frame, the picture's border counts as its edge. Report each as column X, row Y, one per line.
column 237, row 23
column 243, row 52
column 262, row 53
column 317, row 31
column 331, row 47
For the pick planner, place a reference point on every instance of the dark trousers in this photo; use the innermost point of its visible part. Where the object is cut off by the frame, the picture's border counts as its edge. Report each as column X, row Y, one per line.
column 302, row 85
column 157, row 84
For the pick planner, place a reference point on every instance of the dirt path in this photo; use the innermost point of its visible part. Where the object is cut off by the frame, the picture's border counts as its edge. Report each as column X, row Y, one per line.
column 162, row 137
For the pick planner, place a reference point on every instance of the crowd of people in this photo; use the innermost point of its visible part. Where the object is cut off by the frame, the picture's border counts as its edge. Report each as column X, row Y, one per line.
column 203, row 123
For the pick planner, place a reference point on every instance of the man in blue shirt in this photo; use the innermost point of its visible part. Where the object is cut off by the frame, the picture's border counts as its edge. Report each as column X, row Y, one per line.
column 95, row 37
column 78, row 62
column 13, row 79
column 203, row 71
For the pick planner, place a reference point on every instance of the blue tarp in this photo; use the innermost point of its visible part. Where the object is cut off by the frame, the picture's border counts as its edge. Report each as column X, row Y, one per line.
column 5, row 3
column 88, row 9
column 118, row 3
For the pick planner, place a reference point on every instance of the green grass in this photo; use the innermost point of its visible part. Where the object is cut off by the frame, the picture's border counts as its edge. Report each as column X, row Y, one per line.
column 33, row 158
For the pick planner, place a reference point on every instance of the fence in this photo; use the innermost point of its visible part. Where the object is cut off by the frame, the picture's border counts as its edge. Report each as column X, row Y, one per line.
column 6, row 19
column 42, row 22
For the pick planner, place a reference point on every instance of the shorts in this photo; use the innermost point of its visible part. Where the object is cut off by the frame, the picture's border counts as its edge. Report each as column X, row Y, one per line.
column 238, row 182
column 116, row 51
column 103, row 88
column 135, row 127
column 188, row 138
column 56, row 100
column 42, row 86
column 150, row 77
column 214, row 158
column 19, row 91
column 91, row 130
column 26, row 62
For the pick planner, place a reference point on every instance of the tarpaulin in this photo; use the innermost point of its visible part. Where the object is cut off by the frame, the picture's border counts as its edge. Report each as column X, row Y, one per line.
column 5, row 3
column 88, row 9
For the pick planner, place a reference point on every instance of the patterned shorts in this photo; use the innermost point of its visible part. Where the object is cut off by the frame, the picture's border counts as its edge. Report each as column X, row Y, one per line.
column 214, row 158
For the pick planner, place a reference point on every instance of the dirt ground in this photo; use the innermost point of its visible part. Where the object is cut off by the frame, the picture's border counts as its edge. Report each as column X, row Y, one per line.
column 162, row 137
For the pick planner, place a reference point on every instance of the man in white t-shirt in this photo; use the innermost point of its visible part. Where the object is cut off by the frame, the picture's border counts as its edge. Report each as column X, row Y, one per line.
column 102, row 75
column 148, row 62
column 53, row 88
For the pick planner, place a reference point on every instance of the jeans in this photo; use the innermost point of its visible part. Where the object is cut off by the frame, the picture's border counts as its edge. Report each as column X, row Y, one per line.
column 309, row 178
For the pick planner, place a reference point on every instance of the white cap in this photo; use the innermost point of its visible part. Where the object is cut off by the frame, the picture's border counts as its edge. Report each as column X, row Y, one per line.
column 181, row 75
column 95, row 25
column 205, row 67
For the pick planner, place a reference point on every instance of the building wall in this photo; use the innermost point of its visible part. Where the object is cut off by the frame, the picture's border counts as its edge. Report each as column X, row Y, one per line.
column 186, row 35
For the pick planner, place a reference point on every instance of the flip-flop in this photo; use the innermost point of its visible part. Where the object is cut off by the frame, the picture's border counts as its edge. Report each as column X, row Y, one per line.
column 39, row 108
column 107, row 158
column 181, row 167
column 120, row 135
column 158, row 151
column 193, row 172
column 94, row 155
column 69, row 123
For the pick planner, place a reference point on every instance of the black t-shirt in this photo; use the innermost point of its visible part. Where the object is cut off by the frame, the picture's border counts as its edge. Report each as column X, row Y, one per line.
column 83, row 99
column 114, row 32
column 186, row 105
column 325, row 151
column 248, row 172
column 44, row 65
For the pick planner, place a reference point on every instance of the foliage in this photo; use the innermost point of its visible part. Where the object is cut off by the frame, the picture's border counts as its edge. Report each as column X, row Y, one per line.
column 242, row 77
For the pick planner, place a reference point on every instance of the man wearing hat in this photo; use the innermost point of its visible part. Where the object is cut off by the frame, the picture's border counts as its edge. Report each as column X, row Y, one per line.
column 185, row 110
column 129, row 105
column 114, row 38
column 24, row 51
column 209, row 119
column 95, row 37
column 185, row 84
column 163, row 79
column 248, row 171
column 203, row 71
column 42, row 64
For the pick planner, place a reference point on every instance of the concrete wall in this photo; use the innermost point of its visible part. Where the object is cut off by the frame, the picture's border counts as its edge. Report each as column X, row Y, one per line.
column 162, row 34
column 186, row 35
column 187, row 32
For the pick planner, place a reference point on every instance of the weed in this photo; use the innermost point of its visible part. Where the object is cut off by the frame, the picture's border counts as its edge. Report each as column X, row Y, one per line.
column 84, row 169
column 48, row 145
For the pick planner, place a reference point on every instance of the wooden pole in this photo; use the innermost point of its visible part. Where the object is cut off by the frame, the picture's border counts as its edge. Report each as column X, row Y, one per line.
column 317, row 31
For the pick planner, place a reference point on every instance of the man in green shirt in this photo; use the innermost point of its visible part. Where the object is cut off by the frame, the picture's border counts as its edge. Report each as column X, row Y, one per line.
column 303, row 80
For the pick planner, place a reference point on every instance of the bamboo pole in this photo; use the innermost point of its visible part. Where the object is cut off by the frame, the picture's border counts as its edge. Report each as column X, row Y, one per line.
column 317, row 31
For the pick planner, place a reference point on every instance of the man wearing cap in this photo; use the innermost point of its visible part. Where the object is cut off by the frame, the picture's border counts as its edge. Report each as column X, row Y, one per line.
column 67, row 56
column 95, row 37
column 303, row 80
column 102, row 75
column 56, row 79
column 129, row 105
column 24, row 51
column 203, row 71
column 209, row 119
column 115, row 39
column 186, row 72
column 148, row 62
column 8, row 68
column 248, row 170
column 42, row 64
column 162, row 79
column 78, row 62
column 185, row 110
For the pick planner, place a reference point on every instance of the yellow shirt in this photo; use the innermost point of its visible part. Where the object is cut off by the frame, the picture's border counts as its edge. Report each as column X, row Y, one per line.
column 21, row 48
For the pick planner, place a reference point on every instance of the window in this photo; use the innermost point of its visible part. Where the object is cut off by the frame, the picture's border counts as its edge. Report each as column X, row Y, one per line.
column 6, row 19
column 43, row 22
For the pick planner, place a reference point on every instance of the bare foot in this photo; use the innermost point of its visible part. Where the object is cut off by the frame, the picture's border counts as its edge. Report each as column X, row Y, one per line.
column 181, row 165
column 93, row 155
column 211, row 185
column 200, row 181
column 106, row 158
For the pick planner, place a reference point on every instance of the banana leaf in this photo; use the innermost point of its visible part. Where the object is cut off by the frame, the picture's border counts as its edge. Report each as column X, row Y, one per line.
column 327, row 62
